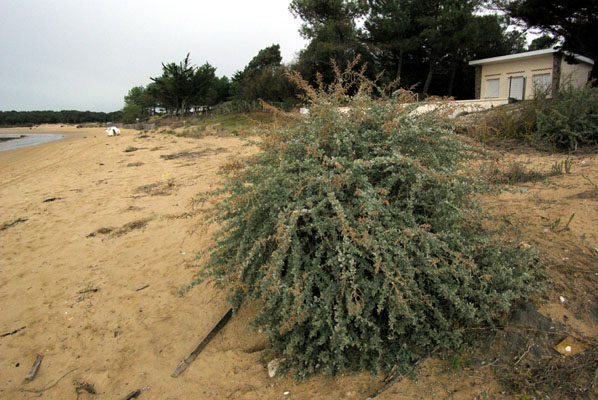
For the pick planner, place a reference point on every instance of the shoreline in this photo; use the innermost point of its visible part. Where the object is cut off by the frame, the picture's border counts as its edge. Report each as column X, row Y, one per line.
column 67, row 132
column 16, row 141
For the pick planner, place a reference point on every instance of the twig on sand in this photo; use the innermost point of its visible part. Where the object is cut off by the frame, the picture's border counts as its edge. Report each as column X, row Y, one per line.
column 132, row 395
column 396, row 377
column 13, row 332
column 34, row 368
column 141, row 288
column 41, row 391
column 88, row 290
column 193, row 355
column 13, row 223
column 524, row 353
column 490, row 364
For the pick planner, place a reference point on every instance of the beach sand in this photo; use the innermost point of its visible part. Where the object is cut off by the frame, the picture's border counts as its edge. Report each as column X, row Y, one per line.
column 79, row 299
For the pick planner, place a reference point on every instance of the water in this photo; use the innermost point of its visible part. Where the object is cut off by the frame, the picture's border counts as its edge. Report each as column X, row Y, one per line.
column 26, row 139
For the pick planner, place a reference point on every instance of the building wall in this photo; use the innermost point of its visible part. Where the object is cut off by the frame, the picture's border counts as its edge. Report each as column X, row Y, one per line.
column 526, row 67
column 575, row 74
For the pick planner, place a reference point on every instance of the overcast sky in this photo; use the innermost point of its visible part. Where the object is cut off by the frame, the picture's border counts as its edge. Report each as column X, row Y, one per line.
column 87, row 54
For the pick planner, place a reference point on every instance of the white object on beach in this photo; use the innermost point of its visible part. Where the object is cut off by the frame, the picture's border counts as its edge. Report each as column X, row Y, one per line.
column 273, row 367
column 113, row 131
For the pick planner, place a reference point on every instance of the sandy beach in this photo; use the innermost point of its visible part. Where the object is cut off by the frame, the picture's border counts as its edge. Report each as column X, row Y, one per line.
column 106, row 306
column 96, row 241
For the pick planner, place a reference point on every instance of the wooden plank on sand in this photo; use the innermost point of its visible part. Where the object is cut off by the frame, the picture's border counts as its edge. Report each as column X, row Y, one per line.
column 193, row 355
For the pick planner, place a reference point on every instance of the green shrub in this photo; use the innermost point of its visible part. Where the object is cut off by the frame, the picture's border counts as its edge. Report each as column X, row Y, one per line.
column 566, row 122
column 359, row 238
column 571, row 119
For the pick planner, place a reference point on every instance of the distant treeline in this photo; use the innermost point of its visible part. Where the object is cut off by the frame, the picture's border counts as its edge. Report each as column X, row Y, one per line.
column 27, row 118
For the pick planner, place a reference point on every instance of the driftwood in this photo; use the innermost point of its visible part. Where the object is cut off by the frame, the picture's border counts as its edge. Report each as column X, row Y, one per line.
column 34, row 368
column 193, row 355
column 132, row 395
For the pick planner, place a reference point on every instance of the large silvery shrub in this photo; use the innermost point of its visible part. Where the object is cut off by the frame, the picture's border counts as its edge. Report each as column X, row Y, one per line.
column 358, row 235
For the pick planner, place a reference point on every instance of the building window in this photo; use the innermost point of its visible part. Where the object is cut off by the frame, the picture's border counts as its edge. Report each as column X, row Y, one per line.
column 492, row 88
column 517, row 87
column 542, row 82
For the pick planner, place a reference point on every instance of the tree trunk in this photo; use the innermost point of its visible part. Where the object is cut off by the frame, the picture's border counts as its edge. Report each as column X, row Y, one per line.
column 452, row 82
column 429, row 78
column 399, row 66
column 184, row 107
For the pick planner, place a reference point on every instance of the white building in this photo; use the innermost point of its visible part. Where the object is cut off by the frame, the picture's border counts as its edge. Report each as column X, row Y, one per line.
column 517, row 76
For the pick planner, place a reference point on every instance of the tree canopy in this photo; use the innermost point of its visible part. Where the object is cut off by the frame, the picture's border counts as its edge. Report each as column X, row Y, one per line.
column 425, row 43
column 264, row 78
column 543, row 42
column 331, row 28
column 183, row 85
column 575, row 21
column 139, row 103
column 429, row 43
column 23, row 118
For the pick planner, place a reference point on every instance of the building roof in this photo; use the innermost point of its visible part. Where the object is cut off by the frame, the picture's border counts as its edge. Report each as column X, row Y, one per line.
column 527, row 54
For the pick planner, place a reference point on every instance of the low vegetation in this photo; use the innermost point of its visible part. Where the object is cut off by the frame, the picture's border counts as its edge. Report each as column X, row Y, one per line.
column 570, row 120
column 229, row 124
column 563, row 123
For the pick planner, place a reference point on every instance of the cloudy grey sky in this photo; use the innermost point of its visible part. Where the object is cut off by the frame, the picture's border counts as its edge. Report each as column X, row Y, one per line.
column 87, row 54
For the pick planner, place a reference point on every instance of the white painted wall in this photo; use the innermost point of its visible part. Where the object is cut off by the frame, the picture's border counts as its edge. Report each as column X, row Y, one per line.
column 575, row 74
column 526, row 68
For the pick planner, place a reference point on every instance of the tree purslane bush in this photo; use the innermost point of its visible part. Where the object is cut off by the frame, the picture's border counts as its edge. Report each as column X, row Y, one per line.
column 355, row 230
